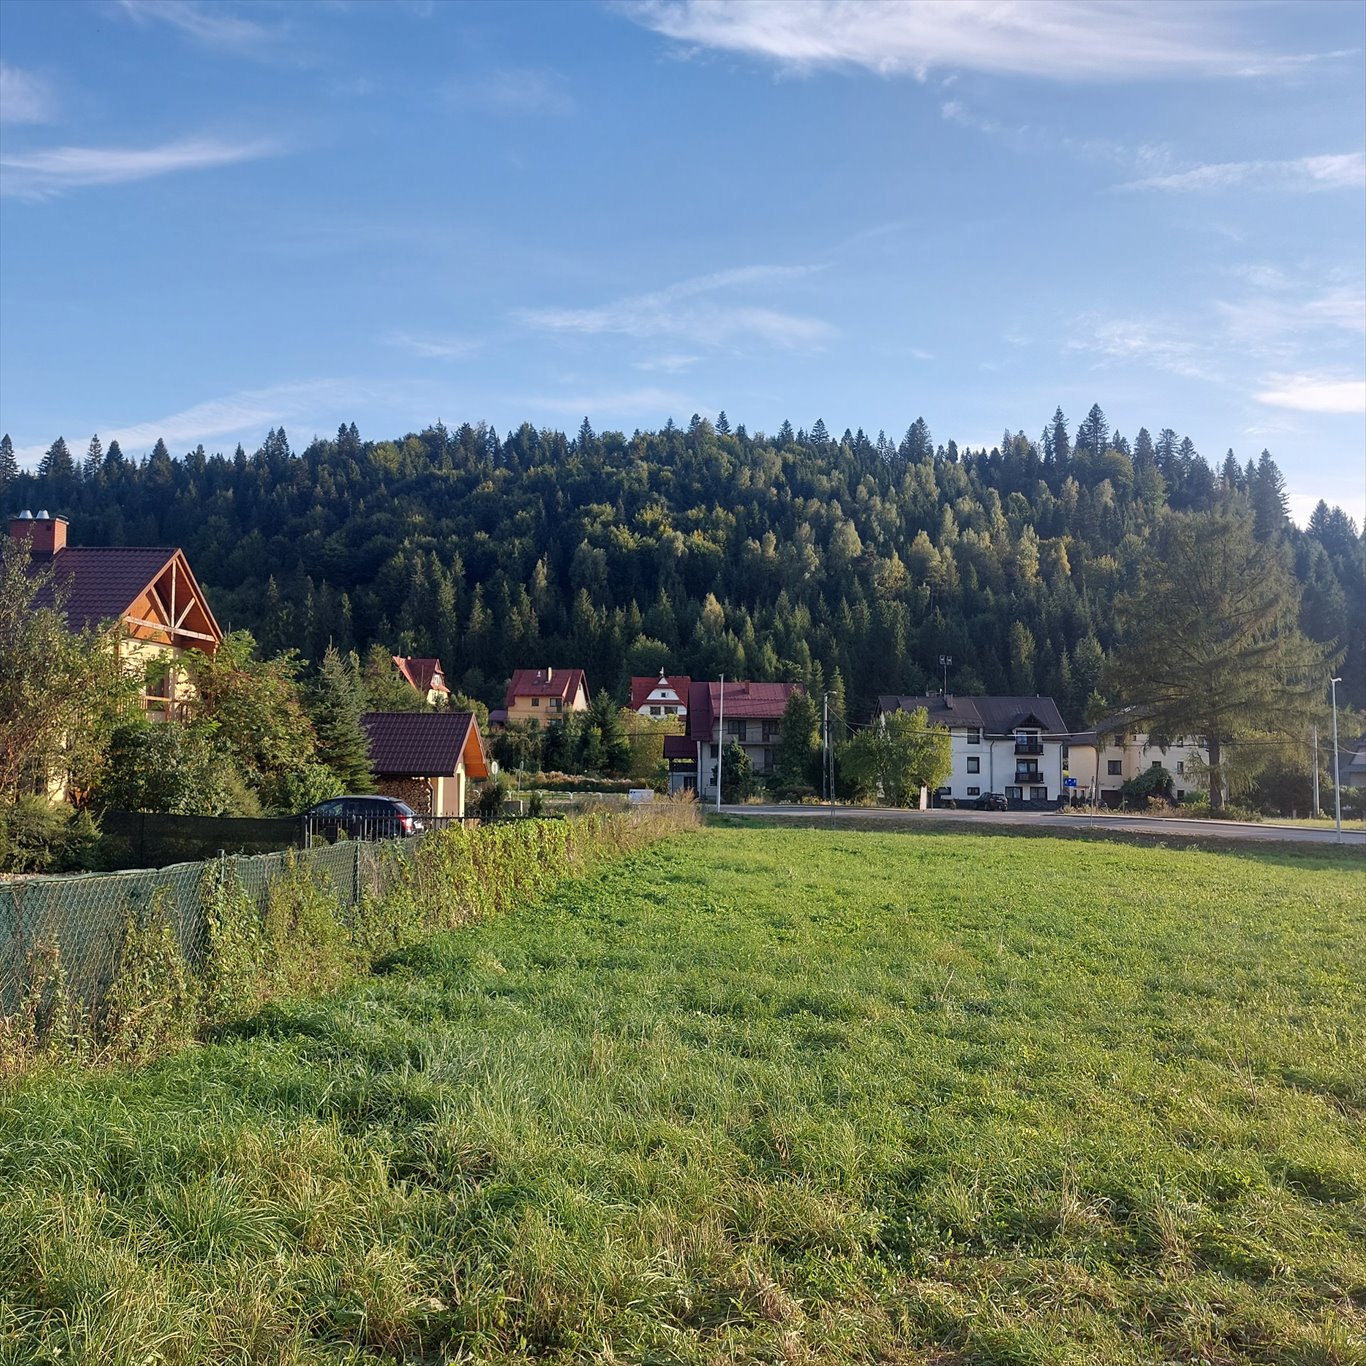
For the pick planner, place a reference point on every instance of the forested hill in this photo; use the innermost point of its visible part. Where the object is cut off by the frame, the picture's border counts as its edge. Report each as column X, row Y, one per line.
column 701, row 550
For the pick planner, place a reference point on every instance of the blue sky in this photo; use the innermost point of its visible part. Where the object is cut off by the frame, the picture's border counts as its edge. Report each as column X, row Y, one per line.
column 219, row 218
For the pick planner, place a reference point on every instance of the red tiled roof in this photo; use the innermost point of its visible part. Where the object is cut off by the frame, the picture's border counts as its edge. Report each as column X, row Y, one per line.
column 641, row 688
column 561, row 683
column 421, row 672
column 418, row 744
column 102, row 582
column 744, row 702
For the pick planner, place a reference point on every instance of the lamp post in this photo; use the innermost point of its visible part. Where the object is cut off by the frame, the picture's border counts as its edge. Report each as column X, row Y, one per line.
column 944, row 662
column 721, row 738
column 1337, row 762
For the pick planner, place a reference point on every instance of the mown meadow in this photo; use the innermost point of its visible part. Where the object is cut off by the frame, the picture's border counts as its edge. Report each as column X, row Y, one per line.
column 749, row 1095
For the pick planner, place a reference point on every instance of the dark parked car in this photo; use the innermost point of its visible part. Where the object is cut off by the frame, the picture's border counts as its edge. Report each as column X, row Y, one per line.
column 992, row 801
column 362, row 818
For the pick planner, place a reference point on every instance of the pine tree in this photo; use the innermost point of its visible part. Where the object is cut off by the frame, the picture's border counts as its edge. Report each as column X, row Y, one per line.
column 338, row 701
column 113, row 457
column 722, row 423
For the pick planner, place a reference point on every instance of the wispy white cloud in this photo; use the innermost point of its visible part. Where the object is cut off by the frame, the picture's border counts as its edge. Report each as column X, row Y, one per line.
column 42, row 174
column 1315, row 394
column 1161, row 343
column 216, row 26
column 1339, row 171
column 1283, row 312
column 430, row 346
column 24, row 97
column 1063, row 40
column 515, row 90
column 247, row 411
column 669, row 365
column 686, row 310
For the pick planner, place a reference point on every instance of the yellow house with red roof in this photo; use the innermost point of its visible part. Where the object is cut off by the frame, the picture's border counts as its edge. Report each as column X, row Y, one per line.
column 545, row 696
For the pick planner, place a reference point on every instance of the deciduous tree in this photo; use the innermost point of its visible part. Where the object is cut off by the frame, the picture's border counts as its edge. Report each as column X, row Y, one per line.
column 1211, row 644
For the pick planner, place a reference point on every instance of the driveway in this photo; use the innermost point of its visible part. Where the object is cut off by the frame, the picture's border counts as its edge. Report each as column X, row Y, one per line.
column 1264, row 831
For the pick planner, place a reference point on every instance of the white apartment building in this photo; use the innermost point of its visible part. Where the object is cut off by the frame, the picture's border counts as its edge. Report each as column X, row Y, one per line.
column 1017, row 747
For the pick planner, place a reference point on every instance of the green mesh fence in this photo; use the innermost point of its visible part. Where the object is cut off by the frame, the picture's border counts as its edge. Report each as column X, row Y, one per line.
column 83, row 918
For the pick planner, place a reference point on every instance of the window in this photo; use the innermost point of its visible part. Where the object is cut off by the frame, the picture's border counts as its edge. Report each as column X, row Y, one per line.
column 1114, row 767
column 1038, row 794
column 1014, row 794
column 735, row 729
column 1156, row 763
column 1181, row 766
column 556, row 704
column 1180, row 795
column 975, row 736
column 974, row 764
column 535, row 701
column 656, row 711
column 974, row 792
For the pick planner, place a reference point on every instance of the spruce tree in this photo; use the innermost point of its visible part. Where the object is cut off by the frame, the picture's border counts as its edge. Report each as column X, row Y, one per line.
column 57, row 463
column 799, row 742
column 94, row 458
column 9, row 463
column 338, row 701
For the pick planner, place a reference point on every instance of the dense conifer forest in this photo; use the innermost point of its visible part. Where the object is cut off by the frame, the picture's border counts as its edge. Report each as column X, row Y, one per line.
column 700, row 549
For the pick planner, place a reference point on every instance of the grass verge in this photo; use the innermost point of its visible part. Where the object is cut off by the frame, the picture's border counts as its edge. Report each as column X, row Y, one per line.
column 757, row 1095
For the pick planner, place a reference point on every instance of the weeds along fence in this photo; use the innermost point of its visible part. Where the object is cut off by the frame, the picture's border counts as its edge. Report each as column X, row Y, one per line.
column 127, row 964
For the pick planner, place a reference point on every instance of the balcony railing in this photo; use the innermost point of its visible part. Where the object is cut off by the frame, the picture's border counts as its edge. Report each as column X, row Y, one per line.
column 1028, row 775
column 1028, row 746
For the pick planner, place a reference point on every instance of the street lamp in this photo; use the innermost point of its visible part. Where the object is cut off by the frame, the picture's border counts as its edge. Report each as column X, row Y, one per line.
column 944, row 662
column 1337, row 761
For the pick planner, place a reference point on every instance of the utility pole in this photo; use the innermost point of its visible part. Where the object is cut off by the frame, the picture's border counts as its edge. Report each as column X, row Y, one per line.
column 720, row 740
column 1314, row 766
column 825, row 746
column 1337, row 762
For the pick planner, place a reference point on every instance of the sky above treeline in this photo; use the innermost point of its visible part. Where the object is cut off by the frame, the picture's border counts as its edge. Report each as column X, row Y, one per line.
column 221, row 218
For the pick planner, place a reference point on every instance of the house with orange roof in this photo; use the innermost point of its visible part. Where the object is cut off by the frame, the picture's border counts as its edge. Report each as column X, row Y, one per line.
column 545, row 696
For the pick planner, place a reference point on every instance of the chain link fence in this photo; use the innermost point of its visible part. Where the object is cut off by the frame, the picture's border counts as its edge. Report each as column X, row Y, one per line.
column 81, row 920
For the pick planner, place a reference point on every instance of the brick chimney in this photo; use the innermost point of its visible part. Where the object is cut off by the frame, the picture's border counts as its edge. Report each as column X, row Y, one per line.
column 45, row 534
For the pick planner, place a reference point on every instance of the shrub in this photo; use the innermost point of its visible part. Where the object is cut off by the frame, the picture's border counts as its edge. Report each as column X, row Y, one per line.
column 1153, row 782
column 39, row 836
column 491, row 801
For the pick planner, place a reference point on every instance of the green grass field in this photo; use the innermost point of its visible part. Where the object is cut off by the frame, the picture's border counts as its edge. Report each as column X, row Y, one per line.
column 752, row 1095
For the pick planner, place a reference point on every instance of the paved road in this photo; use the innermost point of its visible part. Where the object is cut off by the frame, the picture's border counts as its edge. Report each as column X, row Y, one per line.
column 1147, row 825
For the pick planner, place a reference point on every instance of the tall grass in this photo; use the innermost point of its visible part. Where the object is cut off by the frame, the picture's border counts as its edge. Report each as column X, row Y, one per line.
column 304, row 939
column 768, row 1096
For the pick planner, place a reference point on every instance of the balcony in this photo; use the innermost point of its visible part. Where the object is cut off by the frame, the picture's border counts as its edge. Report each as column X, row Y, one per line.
column 1031, row 746
column 1027, row 775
